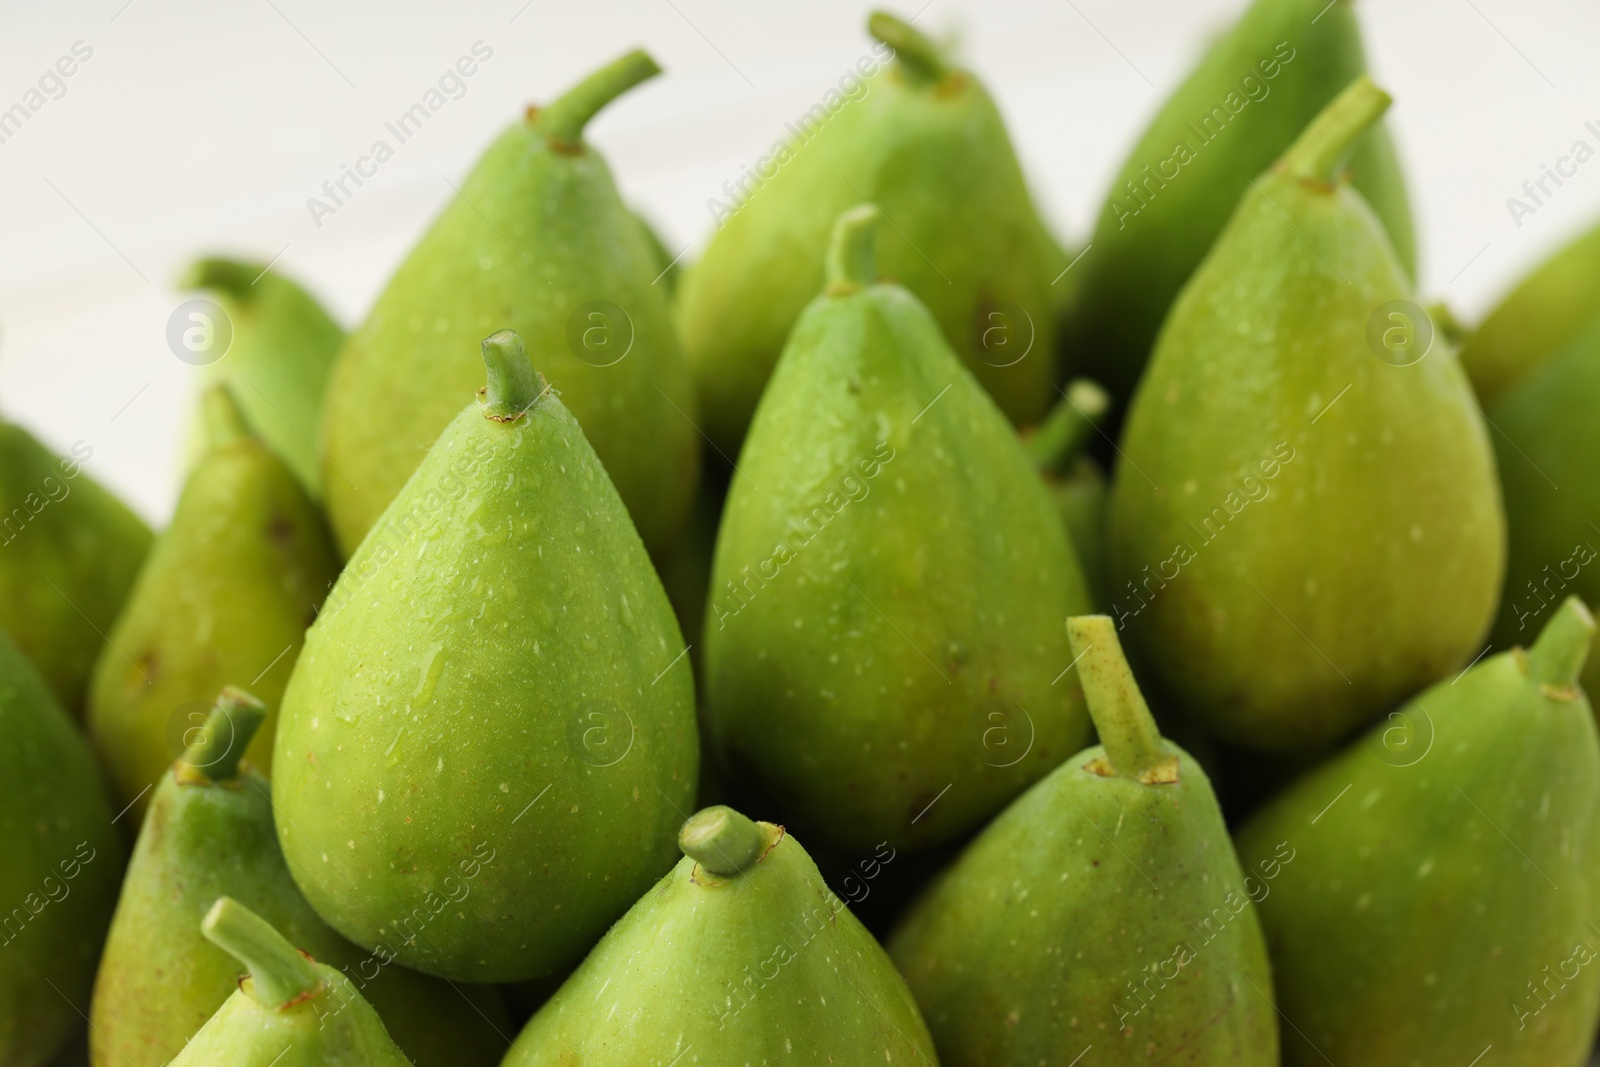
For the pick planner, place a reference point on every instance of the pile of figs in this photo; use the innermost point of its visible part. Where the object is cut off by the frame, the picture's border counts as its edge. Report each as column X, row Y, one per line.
column 895, row 638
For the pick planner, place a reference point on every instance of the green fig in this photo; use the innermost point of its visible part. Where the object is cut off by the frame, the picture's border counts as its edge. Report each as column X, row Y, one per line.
column 62, row 863
column 226, row 594
column 499, row 636
column 1305, row 524
column 282, row 346
column 921, row 139
column 288, row 1011
column 741, row 955
column 1535, row 321
column 210, row 834
column 69, row 554
column 889, row 582
column 1241, row 107
column 1075, row 480
column 1104, row 908
column 668, row 267
column 1547, row 446
column 1440, row 898
column 537, row 240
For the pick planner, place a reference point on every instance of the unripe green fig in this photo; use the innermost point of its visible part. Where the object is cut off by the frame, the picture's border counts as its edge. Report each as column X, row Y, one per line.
column 1548, row 446
column 889, row 582
column 1537, row 320
column 1442, row 893
column 1305, row 522
column 488, row 736
column 282, row 345
column 71, row 552
column 922, row 139
column 741, row 955
column 226, row 594
column 1058, row 447
column 1250, row 96
column 1103, row 909
column 210, row 834
column 289, row 1010
column 62, row 861
column 536, row 240
column 668, row 267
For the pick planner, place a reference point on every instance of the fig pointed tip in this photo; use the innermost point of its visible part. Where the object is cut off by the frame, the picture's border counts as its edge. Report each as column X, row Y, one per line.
column 721, row 840
column 513, row 386
column 852, row 250
column 1562, row 648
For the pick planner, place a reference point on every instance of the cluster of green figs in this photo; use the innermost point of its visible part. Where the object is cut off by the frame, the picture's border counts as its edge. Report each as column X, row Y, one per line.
column 435, row 727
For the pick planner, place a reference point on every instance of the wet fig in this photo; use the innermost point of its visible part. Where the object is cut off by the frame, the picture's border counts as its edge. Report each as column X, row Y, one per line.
column 536, row 240
column 1538, row 319
column 69, row 554
column 1549, row 437
column 486, row 740
column 1057, row 447
column 281, row 346
column 922, row 139
column 210, row 834
column 225, row 596
column 888, row 584
column 1441, row 893
column 288, row 1010
column 1105, row 907
column 59, row 877
column 741, row 955
column 1305, row 522
column 1241, row 107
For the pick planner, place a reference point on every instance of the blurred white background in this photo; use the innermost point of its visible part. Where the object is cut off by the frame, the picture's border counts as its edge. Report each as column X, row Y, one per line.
column 198, row 127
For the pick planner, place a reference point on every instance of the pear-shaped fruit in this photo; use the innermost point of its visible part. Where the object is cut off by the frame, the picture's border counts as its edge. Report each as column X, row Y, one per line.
column 282, row 347
column 1105, row 908
column 288, row 1011
column 889, row 582
column 210, row 834
column 59, row 875
column 1442, row 889
column 536, row 240
column 486, row 742
column 1057, row 447
column 69, row 554
column 1242, row 106
column 1548, row 445
column 1305, row 523
column 226, row 595
column 1537, row 320
column 741, row 955
column 923, row 140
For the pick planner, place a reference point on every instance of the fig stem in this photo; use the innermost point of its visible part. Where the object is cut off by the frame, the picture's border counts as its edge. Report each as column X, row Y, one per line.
column 1057, row 441
column 1317, row 153
column 852, row 262
column 224, row 422
column 228, row 276
column 278, row 972
column 228, row 730
column 1121, row 717
column 923, row 60
column 513, row 386
column 1557, row 657
column 564, row 120
column 721, row 840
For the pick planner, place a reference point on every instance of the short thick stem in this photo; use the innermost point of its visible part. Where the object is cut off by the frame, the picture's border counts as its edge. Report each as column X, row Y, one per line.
column 224, row 422
column 1057, row 441
column 1558, row 656
column 229, row 276
column 1121, row 717
column 279, row 974
column 564, row 120
column 513, row 385
column 851, row 260
column 1316, row 155
column 918, row 56
column 721, row 840
column 227, row 732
